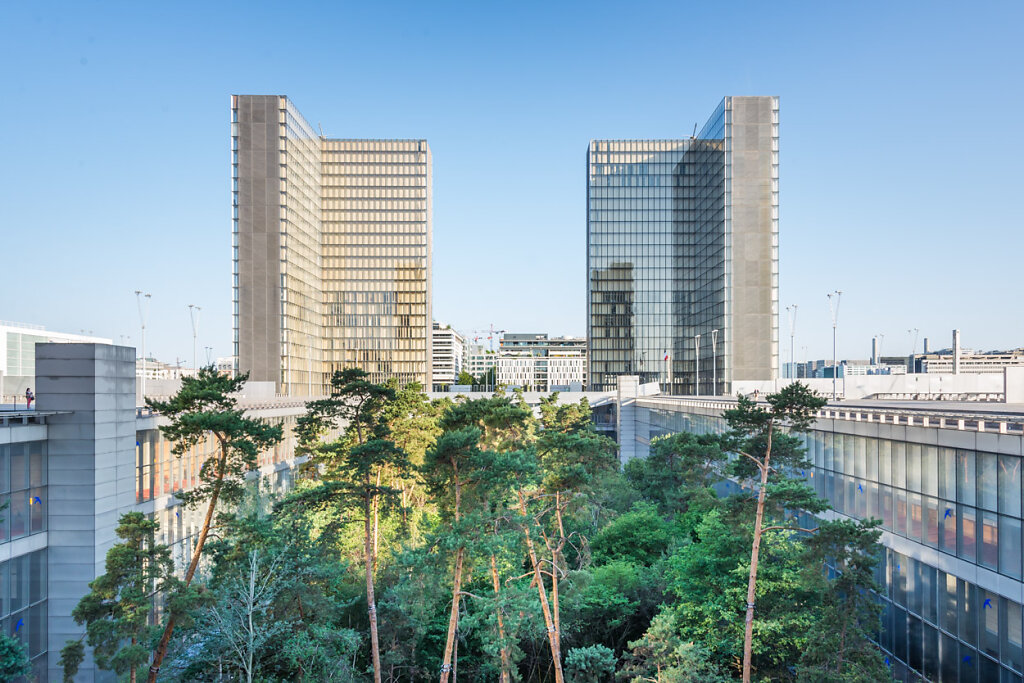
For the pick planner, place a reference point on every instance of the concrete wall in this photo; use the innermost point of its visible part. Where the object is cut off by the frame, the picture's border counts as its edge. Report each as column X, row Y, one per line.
column 91, row 471
column 753, row 322
column 259, row 237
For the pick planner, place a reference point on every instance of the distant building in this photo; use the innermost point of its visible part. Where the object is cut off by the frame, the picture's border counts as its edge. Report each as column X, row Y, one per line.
column 226, row 365
column 18, row 353
column 970, row 361
column 447, row 356
column 682, row 249
column 539, row 363
column 478, row 360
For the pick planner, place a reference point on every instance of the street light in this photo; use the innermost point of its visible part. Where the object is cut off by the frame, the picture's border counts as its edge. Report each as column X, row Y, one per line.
column 142, row 299
column 791, row 310
column 881, row 339
column 209, row 352
column 696, row 346
column 193, row 315
column 834, row 309
column 714, row 363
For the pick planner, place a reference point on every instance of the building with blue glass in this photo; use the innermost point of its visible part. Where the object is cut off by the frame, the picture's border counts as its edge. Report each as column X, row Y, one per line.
column 944, row 478
column 682, row 254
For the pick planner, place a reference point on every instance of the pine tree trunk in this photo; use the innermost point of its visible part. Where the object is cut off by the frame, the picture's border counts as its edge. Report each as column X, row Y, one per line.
column 165, row 639
column 553, row 640
column 453, row 618
column 506, row 667
column 371, row 605
column 131, row 674
column 755, row 550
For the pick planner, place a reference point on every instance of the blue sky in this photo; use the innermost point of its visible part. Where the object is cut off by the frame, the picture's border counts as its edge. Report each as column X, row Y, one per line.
column 900, row 149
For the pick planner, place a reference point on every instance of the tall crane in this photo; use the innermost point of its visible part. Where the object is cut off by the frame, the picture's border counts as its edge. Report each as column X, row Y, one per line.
column 490, row 334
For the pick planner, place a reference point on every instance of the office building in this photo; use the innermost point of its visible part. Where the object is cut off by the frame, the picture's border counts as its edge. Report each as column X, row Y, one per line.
column 538, row 363
column 447, row 356
column 332, row 251
column 682, row 240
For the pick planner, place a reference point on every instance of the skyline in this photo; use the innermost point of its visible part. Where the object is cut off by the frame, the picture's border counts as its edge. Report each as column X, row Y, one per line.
column 868, row 146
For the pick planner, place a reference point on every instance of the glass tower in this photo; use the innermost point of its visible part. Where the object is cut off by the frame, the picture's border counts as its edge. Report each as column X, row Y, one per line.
column 682, row 253
column 331, row 245
column 377, row 252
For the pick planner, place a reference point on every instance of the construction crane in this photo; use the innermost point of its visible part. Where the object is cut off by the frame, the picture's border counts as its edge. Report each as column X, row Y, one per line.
column 489, row 333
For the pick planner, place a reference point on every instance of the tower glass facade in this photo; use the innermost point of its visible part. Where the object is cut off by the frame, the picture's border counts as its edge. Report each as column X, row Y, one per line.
column 661, row 264
column 377, row 252
column 331, row 251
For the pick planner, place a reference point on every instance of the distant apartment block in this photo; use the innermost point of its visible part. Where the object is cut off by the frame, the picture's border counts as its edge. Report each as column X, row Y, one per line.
column 682, row 253
column 478, row 360
column 539, row 363
column 332, row 251
column 447, row 356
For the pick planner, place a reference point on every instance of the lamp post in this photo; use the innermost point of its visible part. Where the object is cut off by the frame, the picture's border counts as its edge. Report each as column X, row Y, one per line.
column 193, row 315
column 209, row 354
column 791, row 310
column 833, row 308
column 714, row 363
column 881, row 339
column 142, row 299
column 696, row 347
column 912, row 365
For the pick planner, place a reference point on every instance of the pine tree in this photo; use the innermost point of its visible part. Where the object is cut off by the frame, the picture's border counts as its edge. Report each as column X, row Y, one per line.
column 205, row 406
column 116, row 609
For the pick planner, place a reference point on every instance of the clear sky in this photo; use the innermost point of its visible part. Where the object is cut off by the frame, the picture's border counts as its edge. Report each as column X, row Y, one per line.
column 901, row 148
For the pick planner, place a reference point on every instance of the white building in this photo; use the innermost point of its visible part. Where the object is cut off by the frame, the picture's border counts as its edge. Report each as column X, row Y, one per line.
column 478, row 360
column 18, row 354
column 535, row 362
column 446, row 355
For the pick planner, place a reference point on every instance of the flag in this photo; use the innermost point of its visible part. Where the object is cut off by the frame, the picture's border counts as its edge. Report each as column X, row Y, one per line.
column 665, row 356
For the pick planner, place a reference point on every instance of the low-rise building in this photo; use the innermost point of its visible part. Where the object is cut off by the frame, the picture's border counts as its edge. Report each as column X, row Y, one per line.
column 537, row 362
column 478, row 360
column 18, row 356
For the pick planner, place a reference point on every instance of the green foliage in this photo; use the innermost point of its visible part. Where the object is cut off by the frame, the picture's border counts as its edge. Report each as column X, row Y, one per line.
column 465, row 378
column 640, row 536
column 661, row 655
column 206, row 405
column 647, row 565
column 839, row 646
column 14, row 660
column 592, row 664
column 117, row 607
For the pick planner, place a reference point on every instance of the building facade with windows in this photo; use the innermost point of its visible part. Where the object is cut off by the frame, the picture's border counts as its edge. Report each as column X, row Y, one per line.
column 479, row 360
column 331, row 251
column 944, row 478
column 682, row 240
column 447, row 356
column 539, row 363
column 83, row 456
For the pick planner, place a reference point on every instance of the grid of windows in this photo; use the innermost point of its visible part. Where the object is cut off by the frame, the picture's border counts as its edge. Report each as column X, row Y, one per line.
column 376, row 265
column 301, row 260
column 23, row 488
column 656, row 258
column 958, row 501
column 23, row 605
column 661, row 284
column 159, row 472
